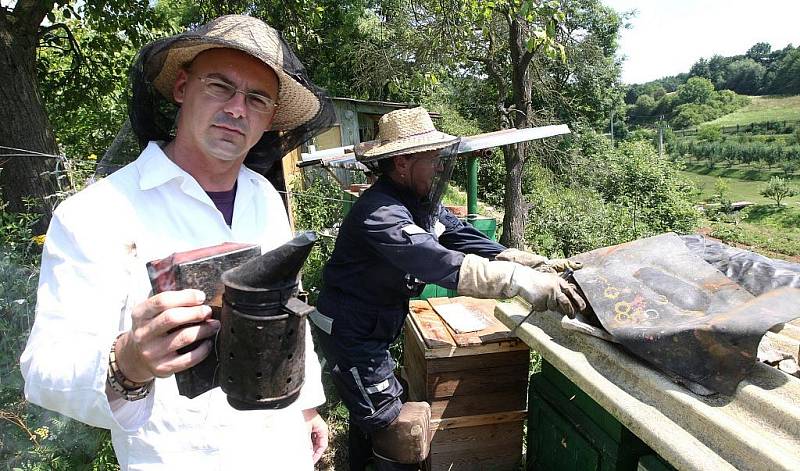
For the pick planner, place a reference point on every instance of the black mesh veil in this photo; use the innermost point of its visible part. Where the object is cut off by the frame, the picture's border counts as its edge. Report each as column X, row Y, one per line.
column 152, row 117
column 447, row 160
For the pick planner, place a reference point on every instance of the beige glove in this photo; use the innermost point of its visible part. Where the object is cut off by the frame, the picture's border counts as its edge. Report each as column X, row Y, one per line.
column 482, row 278
column 520, row 256
column 556, row 265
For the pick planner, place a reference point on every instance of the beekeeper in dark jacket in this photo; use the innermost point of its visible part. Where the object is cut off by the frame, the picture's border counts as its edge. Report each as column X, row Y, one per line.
column 396, row 238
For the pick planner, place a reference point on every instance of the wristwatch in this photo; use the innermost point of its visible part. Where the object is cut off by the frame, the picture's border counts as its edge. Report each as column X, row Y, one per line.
column 129, row 390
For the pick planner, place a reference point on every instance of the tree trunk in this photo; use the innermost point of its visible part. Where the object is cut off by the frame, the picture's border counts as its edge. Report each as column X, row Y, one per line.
column 513, row 199
column 24, row 125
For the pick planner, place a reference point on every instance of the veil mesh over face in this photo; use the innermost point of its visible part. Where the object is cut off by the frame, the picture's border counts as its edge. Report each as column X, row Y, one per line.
column 152, row 116
column 447, row 158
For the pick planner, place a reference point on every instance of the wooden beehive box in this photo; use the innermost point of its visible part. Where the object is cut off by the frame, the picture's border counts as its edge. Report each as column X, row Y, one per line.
column 475, row 382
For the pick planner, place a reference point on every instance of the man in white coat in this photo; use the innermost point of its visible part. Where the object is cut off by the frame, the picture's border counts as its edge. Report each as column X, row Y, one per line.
column 103, row 349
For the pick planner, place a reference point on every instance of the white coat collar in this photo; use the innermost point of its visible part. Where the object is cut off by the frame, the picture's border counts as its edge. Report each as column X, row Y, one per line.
column 156, row 169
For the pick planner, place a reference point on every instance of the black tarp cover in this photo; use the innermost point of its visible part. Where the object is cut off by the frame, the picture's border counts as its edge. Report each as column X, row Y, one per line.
column 673, row 309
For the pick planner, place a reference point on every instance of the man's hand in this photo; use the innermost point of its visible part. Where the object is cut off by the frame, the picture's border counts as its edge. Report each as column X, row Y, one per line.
column 520, row 256
column 559, row 265
column 546, row 291
column 497, row 279
column 163, row 324
column 319, row 433
column 532, row 260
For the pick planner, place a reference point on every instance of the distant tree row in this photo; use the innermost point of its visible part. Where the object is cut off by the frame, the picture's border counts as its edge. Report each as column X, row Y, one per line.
column 752, row 153
column 760, row 71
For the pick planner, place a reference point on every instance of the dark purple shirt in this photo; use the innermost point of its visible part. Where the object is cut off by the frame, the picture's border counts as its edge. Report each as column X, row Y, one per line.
column 223, row 200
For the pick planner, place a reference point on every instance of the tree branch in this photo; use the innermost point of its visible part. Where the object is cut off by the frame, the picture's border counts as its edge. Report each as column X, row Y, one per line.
column 31, row 13
column 73, row 43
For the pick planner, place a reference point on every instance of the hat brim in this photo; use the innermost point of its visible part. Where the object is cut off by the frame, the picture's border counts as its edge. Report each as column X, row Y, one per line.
column 373, row 150
column 296, row 104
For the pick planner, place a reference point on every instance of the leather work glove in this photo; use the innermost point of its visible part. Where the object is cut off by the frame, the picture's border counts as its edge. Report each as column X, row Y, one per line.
column 482, row 278
column 522, row 257
column 559, row 265
column 540, row 263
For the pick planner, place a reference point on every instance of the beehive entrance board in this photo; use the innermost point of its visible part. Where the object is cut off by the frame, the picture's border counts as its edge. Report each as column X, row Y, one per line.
column 476, row 383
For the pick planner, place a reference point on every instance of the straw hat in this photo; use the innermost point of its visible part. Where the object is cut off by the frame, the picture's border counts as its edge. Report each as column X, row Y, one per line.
column 296, row 103
column 403, row 132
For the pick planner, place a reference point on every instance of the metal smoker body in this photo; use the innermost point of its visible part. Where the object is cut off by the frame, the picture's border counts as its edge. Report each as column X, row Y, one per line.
column 261, row 343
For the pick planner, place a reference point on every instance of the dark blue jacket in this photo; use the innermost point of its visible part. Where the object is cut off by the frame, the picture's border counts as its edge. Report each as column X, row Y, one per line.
column 384, row 255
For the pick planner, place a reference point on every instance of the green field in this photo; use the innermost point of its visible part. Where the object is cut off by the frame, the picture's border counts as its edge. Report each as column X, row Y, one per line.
column 764, row 227
column 761, row 109
column 744, row 181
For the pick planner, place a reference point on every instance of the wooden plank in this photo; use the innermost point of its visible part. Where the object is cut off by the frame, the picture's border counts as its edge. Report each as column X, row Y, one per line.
column 487, row 360
column 481, row 437
column 492, row 446
column 475, row 420
column 433, row 331
column 505, row 346
column 495, row 331
column 458, row 406
column 414, row 366
column 477, row 381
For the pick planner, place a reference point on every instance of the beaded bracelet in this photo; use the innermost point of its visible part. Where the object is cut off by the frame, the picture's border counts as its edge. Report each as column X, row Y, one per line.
column 129, row 390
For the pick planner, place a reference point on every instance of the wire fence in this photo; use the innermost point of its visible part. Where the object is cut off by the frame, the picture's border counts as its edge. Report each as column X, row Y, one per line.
column 62, row 168
column 785, row 127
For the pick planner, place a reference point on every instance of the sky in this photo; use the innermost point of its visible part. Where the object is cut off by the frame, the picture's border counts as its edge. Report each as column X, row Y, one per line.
column 667, row 36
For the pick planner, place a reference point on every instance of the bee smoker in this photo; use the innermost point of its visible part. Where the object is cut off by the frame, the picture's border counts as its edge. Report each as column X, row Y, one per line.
column 261, row 342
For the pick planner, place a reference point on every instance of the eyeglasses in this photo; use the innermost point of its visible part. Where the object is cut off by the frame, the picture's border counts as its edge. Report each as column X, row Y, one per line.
column 224, row 91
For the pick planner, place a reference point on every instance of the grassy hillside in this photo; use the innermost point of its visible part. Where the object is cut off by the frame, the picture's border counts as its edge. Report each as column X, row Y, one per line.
column 761, row 109
column 745, row 182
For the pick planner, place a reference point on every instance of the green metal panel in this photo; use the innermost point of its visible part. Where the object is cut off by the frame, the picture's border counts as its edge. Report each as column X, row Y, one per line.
column 553, row 443
column 348, row 202
column 653, row 463
column 435, row 291
column 487, row 225
column 585, row 404
column 616, row 447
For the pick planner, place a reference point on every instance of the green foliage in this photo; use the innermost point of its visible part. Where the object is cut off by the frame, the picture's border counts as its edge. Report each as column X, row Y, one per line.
column 634, row 176
column 696, row 90
column 611, row 195
column 709, row 133
column 789, row 168
column 565, row 221
column 763, row 109
column 711, row 106
column 645, row 105
column 747, row 151
column 785, row 76
column 317, row 205
column 778, row 189
column 760, row 71
column 83, row 74
column 745, row 76
column 770, row 229
column 32, row 438
column 16, row 232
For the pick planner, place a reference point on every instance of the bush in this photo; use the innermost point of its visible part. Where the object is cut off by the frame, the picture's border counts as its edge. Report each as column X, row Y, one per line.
column 565, row 221
column 316, row 207
column 777, row 189
column 32, row 438
column 635, row 177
